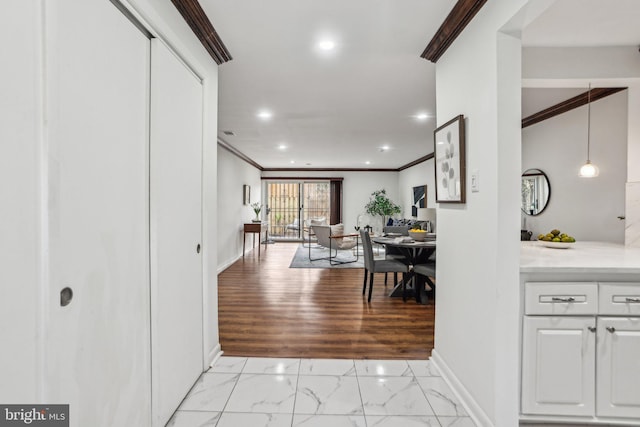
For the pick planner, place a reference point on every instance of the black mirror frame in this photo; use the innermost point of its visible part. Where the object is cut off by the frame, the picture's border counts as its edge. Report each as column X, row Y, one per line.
column 548, row 184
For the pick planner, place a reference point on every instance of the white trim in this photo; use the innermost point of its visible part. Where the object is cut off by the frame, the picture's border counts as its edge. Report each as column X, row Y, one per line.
column 42, row 166
column 159, row 30
column 214, row 355
column 228, row 264
column 559, row 421
column 476, row 413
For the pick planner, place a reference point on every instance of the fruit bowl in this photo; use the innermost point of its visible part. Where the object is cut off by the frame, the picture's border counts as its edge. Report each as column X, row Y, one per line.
column 563, row 241
column 556, row 245
column 418, row 235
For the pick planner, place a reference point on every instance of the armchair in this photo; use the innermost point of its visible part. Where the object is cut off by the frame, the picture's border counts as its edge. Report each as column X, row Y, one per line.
column 333, row 238
column 308, row 235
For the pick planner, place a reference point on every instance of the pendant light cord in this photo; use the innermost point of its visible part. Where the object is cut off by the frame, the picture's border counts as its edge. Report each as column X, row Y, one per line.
column 589, row 124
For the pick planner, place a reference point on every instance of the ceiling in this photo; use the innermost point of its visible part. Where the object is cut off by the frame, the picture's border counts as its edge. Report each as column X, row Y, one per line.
column 339, row 108
column 581, row 23
column 330, row 109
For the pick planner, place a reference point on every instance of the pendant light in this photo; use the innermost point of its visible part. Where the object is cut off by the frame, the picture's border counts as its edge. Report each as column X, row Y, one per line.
column 589, row 170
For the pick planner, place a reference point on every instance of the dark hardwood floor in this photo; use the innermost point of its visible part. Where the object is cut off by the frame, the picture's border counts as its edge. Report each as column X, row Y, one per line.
column 270, row 310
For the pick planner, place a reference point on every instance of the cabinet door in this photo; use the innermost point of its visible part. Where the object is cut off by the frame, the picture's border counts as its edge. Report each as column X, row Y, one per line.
column 558, row 365
column 618, row 392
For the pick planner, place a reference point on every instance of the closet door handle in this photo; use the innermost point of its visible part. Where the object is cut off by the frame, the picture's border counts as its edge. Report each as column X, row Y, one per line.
column 611, row 329
column 66, row 295
column 591, row 329
column 198, row 248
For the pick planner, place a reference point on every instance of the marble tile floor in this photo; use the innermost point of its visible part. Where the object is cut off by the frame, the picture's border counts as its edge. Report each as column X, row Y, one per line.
column 269, row 392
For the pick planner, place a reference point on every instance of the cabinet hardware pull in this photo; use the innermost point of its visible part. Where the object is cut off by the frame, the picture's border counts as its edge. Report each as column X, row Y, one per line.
column 611, row 329
column 633, row 299
column 570, row 299
column 591, row 328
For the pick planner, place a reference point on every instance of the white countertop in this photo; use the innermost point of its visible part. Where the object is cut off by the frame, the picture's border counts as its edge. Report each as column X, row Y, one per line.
column 582, row 257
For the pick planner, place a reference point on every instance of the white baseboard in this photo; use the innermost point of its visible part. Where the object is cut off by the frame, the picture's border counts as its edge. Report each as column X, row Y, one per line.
column 214, row 355
column 476, row 413
column 228, row 264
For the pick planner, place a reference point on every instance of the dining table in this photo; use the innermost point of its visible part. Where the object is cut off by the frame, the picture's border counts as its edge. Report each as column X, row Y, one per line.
column 416, row 252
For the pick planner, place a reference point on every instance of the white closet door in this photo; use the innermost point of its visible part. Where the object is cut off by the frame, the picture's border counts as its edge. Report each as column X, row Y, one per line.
column 176, row 231
column 97, row 347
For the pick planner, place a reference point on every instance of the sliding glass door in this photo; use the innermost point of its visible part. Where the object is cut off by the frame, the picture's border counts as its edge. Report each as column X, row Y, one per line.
column 291, row 204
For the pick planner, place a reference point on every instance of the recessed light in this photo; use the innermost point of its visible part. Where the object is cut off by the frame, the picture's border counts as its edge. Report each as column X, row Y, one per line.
column 327, row 45
column 292, row 161
column 367, row 162
column 384, row 148
column 282, row 147
column 422, row 116
column 264, row 115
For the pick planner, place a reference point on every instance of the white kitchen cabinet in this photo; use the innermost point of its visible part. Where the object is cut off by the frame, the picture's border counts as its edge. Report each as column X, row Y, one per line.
column 618, row 367
column 581, row 352
column 558, row 365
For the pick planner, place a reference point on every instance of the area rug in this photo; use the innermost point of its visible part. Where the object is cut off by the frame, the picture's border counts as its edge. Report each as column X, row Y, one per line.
column 301, row 258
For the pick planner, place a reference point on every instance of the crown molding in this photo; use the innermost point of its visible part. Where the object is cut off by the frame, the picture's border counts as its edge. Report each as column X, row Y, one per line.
column 224, row 144
column 197, row 19
column 459, row 17
column 329, row 170
column 416, row 162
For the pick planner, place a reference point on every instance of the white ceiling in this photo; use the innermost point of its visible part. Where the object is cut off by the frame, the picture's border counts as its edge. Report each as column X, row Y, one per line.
column 337, row 109
column 331, row 109
column 576, row 23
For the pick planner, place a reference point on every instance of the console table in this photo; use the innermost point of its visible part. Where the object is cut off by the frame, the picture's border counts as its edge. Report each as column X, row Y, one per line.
column 255, row 228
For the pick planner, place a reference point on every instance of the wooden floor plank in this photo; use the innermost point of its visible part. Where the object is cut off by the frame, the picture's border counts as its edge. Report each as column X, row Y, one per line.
column 270, row 310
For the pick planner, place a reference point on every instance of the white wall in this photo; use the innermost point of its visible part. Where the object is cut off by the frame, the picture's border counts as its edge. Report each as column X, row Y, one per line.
column 356, row 189
column 584, row 208
column 20, row 140
column 476, row 321
column 233, row 173
column 414, row 176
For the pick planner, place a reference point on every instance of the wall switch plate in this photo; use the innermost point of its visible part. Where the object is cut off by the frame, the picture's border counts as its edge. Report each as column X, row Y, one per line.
column 475, row 181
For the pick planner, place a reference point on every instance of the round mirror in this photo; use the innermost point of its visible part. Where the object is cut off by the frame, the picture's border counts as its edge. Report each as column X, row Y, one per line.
column 536, row 191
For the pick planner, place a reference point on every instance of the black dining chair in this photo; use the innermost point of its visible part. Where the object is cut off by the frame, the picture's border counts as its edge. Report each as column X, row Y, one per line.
column 372, row 266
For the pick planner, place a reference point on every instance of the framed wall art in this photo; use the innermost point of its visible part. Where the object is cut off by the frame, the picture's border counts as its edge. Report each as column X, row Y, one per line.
column 449, row 150
column 246, row 194
column 419, row 199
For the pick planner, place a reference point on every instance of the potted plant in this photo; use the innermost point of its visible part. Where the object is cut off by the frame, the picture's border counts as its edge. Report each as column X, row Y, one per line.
column 380, row 204
column 257, row 207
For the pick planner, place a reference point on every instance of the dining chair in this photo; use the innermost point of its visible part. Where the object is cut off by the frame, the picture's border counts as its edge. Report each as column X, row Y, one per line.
column 372, row 266
column 395, row 253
